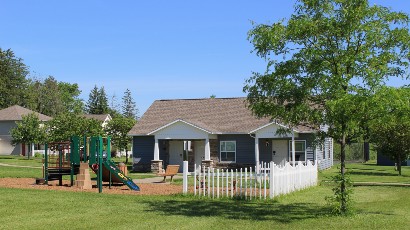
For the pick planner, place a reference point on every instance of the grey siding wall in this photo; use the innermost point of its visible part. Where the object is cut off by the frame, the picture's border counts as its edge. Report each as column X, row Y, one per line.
column 245, row 147
column 143, row 147
column 6, row 148
column 325, row 154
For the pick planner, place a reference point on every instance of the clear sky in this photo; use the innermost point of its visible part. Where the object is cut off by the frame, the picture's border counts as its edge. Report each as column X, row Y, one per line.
column 157, row 49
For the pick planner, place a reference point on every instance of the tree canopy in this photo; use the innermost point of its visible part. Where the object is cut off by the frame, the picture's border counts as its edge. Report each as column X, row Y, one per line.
column 13, row 73
column 118, row 129
column 52, row 98
column 30, row 130
column 324, row 62
column 66, row 125
column 390, row 126
column 129, row 108
column 97, row 101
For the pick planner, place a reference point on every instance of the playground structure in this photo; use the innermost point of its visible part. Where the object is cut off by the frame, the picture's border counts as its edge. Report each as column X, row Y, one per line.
column 95, row 151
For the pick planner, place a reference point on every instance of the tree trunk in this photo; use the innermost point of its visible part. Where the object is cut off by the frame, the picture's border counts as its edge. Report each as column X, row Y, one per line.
column 399, row 164
column 366, row 151
column 126, row 155
column 343, row 201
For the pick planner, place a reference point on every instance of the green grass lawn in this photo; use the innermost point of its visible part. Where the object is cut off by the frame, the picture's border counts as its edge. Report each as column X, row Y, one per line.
column 376, row 207
column 369, row 172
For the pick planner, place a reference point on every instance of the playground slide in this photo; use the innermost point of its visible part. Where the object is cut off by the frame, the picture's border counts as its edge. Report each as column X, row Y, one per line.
column 117, row 174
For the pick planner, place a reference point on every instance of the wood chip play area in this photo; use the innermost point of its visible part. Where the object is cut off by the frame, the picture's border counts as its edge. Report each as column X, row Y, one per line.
column 146, row 189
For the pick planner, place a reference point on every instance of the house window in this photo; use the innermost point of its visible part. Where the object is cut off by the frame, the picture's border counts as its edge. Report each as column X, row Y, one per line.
column 300, row 150
column 228, row 151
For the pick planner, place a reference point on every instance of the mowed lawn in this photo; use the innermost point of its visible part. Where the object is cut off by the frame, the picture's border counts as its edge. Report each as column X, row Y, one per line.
column 376, row 208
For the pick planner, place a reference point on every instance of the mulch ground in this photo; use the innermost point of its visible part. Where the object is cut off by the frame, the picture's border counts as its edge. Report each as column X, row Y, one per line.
column 146, row 189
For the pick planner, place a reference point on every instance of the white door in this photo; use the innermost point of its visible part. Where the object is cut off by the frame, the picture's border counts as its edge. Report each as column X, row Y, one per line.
column 279, row 151
column 176, row 151
column 199, row 150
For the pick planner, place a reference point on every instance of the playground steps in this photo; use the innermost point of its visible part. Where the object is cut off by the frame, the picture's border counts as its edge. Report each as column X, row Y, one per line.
column 83, row 180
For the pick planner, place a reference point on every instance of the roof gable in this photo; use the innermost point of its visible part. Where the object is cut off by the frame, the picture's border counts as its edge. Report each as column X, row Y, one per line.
column 98, row 117
column 180, row 121
column 16, row 113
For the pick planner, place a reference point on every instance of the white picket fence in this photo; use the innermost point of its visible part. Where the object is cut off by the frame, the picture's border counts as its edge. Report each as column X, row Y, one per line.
column 272, row 180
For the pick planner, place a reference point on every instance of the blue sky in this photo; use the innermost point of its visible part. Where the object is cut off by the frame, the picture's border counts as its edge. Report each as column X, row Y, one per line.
column 157, row 49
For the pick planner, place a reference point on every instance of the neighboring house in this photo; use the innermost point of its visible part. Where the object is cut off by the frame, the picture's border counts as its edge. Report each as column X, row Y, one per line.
column 386, row 161
column 104, row 118
column 8, row 118
column 222, row 132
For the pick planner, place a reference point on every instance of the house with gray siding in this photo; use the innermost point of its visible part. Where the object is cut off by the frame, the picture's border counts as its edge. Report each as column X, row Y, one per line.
column 8, row 118
column 221, row 132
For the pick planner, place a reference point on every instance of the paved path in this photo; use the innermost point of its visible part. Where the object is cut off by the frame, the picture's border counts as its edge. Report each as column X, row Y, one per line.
column 155, row 180
column 20, row 166
column 380, row 184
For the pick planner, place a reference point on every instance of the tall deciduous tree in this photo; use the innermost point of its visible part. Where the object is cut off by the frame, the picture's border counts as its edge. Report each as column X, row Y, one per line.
column 324, row 62
column 66, row 125
column 70, row 97
column 390, row 126
column 118, row 129
column 13, row 82
column 52, row 98
column 29, row 130
column 129, row 108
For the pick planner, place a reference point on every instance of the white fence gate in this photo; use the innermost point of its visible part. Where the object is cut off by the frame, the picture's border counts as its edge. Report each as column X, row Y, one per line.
column 249, row 184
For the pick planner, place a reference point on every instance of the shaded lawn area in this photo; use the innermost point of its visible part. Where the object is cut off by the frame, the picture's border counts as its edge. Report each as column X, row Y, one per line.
column 369, row 172
column 377, row 208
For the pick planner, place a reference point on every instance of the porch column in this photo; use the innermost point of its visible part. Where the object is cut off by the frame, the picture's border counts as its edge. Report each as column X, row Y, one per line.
column 207, row 150
column 156, row 164
column 156, row 150
column 293, row 148
column 257, row 154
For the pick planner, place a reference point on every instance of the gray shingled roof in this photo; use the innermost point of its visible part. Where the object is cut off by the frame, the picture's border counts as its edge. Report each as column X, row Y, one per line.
column 15, row 113
column 98, row 117
column 216, row 115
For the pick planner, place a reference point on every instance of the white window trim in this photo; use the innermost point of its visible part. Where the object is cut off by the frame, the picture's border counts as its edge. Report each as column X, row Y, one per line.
column 220, row 152
column 290, row 149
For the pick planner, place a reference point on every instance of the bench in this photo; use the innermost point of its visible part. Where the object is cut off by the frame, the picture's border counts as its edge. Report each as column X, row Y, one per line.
column 171, row 171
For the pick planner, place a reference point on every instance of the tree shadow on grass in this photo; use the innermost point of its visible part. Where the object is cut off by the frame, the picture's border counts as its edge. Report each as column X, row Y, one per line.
column 372, row 173
column 243, row 210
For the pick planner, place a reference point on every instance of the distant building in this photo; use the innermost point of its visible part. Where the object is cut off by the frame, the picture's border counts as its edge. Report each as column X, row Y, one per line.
column 104, row 118
column 8, row 118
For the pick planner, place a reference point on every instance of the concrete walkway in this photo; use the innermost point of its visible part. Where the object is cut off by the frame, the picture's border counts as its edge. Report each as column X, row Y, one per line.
column 380, row 184
column 20, row 166
column 156, row 180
